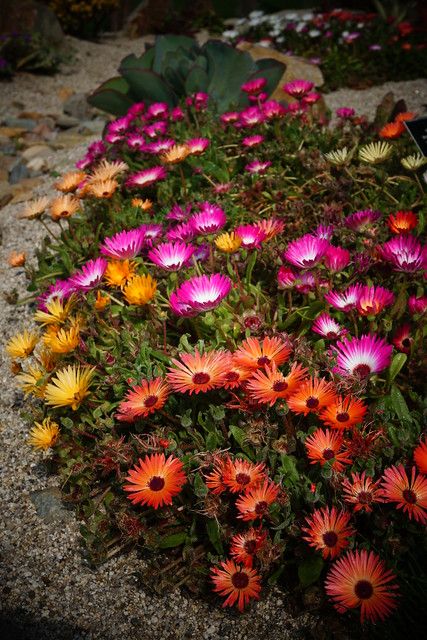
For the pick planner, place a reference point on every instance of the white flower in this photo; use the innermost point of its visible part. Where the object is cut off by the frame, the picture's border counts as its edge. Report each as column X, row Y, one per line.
column 230, row 33
column 300, row 26
column 291, row 16
column 412, row 163
column 314, row 33
column 256, row 14
column 307, row 16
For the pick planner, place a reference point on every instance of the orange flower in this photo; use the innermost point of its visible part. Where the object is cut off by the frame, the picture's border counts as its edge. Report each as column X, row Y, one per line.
column 143, row 399
column 16, row 259
column 343, row 413
column 402, row 222
column 420, row 457
column 253, row 354
column 255, row 502
column 405, row 115
column 234, row 375
column 238, row 583
column 327, row 446
column 328, row 531
column 271, row 227
column 362, row 492
column 215, row 479
column 244, row 546
column 410, row 494
column 145, row 205
column 271, row 385
column 35, row 209
column 70, row 181
column 155, row 481
column 118, row 272
column 102, row 188
column 64, row 207
column 392, row 130
column 198, row 372
column 312, row 396
column 101, row 301
column 240, row 475
column 177, row 154
column 107, row 171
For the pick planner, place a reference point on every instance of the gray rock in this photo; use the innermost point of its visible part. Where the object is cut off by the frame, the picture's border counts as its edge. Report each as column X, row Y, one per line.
column 49, row 505
column 25, row 123
column 77, row 107
column 36, row 151
column 37, row 165
column 18, row 172
column 66, row 122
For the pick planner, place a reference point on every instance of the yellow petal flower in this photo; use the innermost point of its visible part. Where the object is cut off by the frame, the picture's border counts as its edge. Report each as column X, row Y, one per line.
column 140, row 290
column 22, row 345
column 31, row 381
column 118, row 272
column 228, row 242
column 69, row 387
column 57, row 311
column 63, row 340
column 44, row 435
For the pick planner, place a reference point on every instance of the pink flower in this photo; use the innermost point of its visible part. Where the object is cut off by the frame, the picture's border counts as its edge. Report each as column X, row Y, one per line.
column 112, row 138
column 327, row 327
column 405, row 253
column 311, row 98
column 361, row 219
column 171, row 256
column 119, row 126
column 201, row 293
column 251, row 236
column 157, row 110
column 184, row 231
column 372, row 300
column 157, row 128
column 307, row 251
column 286, row 278
column 90, row 275
column 272, row 109
column 324, row 232
column 251, row 116
column 210, row 219
column 362, row 356
column 159, row 146
column 345, row 113
column 252, row 141
column 179, row 213
column 402, row 339
column 336, row 258
column 344, row 300
column 298, row 88
column 253, row 87
column 124, row 244
column 417, row 305
column 61, row 289
column 229, row 117
column 151, row 232
column 146, row 177
column 177, row 114
column 256, row 166
column 197, row 145
column 135, row 142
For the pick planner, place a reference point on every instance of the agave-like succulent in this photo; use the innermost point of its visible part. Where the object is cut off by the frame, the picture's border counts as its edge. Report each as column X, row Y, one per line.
column 176, row 67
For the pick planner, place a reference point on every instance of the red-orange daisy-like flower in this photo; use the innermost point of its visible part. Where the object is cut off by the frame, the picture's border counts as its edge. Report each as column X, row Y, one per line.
column 240, row 584
column 156, row 480
column 420, row 457
column 360, row 579
column 410, row 494
column 269, row 385
column 255, row 502
column 240, row 475
column 254, row 354
column 244, row 546
column 198, row 372
column 312, row 396
column 215, row 479
column 143, row 399
column 328, row 531
column 234, row 375
column 392, row 130
column 402, row 221
column 362, row 492
column 327, row 446
column 343, row 413
column 405, row 115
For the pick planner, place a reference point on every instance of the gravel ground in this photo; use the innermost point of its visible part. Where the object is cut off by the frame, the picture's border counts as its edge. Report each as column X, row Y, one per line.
column 48, row 591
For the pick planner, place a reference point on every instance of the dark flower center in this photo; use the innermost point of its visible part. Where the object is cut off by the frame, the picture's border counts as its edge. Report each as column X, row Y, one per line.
column 263, row 360
column 406, row 342
column 343, row 417
column 363, row 589
column 240, row 580
column 261, row 507
column 362, row 370
column 330, row 538
column 312, row 403
column 365, row 497
column 201, row 378
column 332, row 335
column 150, row 401
column 156, row 483
column 250, row 546
column 409, row 496
column 243, row 478
column 232, row 376
column 280, row 385
column 328, row 454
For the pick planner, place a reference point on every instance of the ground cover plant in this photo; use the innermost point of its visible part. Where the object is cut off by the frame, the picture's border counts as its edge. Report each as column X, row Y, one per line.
column 353, row 49
column 227, row 358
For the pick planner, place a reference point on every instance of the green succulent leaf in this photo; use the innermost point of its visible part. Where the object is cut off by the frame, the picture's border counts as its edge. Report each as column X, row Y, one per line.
column 309, row 570
column 169, row 44
column 112, row 96
column 147, row 85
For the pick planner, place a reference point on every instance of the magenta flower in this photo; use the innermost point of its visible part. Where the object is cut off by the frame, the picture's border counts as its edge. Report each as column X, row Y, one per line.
column 177, row 114
column 256, row 166
column 158, row 128
column 151, row 232
column 362, row 356
column 136, row 109
column 306, row 252
column 90, row 275
column 345, row 113
column 306, row 282
column 405, row 253
column 298, row 88
column 124, row 244
column 112, row 138
column 272, row 109
column 252, row 141
column 336, row 259
column 253, row 87
column 361, row 219
column 96, row 149
column 327, row 327
column 251, row 236
column 201, row 293
column 179, row 213
column 372, row 300
column 146, row 177
column 119, row 126
column 251, row 116
column 344, row 300
column 135, row 142
column 417, row 305
column 229, row 117
column 61, row 289
column 157, row 110
column 210, row 219
column 323, row 231
column 171, row 256
column 197, row 146
column 286, row 278
column 159, row 146
column 311, row 98
column 184, row 232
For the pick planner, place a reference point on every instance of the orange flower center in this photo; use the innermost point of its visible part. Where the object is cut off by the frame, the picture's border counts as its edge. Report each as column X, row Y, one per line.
column 343, row 417
column 201, row 378
column 330, row 538
column 363, row 589
column 409, row 496
column 250, row 546
column 150, row 401
column 156, row 483
column 312, row 403
column 261, row 507
column 243, row 478
column 328, row 454
column 240, row 580
column 362, row 370
column 280, row 385
column 232, row 376
column 263, row 360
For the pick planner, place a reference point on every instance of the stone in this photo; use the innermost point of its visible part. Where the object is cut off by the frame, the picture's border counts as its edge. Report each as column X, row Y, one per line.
column 33, row 115
column 66, row 139
column 37, row 165
column 49, row 505
column 25, row 123
column 77, row 107
column 27, row 16
column 66, row 122
column 11, row 132
column 6, row 162
column 18, row 172
column 64, row 93
column 296, row 68
column 6, row 193
column 36, row 151
column 24, row 189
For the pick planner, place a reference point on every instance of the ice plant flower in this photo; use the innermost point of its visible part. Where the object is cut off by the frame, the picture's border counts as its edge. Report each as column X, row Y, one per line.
column 141, row 400
column 15, row 259
column 270, row 385
column 208, row 221
column 344, row 300
column 417, row 305
column 420, row 457
column 197, row 146
column 360, row 579
column 171, row 256
column 146, row 177
column 391, row 130
column 345, row 113
column 343, row 413
column 258, row 166
column 253, row 87
column 327, row 327
column 140, row 289
column 155, row 481
column 22, row 344
column 90, row 275
column 251, row 236
column 409, row 494
column 405, row 253
column 30, row 381
column 70, row 181
column 124, row 244
column 339, row 157
column 361, row 492
column 195, row 373
column 298, row 88
column 118, row 272
column 402, row 222
column 336, row 259
column 306, row 252
column 312, row 396
column 372, row 300
column 375, row 152
column 271, row 227
column 239, row 584
column 252, row 141
column 413, row 162
column 54, row 311
column 200, row 293
column 61, row 289
column 62, row 340
column 184, row 232
column 327, row 446
column 244, row 546
column 69, row 387
column 240, row 475
column 402, row 339
column 35, row 209
column 286, row 278
column 359, row 220
column 251, row 116
column 363, row 356
column 328, row 530
column 64, row 207
column 255, row 503
column 254, row 354
column 44, row 435
column 228, row 242
column 175, row 154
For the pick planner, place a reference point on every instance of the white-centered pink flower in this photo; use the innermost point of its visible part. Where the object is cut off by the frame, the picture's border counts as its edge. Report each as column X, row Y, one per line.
column 90, row 275
column 201, row 293
column 363, row 356
column 307, row 251
column 171, row 256
column 124, row 244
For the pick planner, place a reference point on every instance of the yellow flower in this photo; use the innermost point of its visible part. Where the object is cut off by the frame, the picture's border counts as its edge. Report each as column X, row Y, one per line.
column 70, row 181
column 118, row 272
column 47, row 359
column 178, row 153
column 62, row 340
column 31, row 381
column 44, row 435
column 412, row 163
column 57, row 311
column 22, row 345
column 340, row 157
column 145, row 205
column 69, row 387
column 228, row 242
column 140, row 290
column 375, row 152
column 101, row 301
